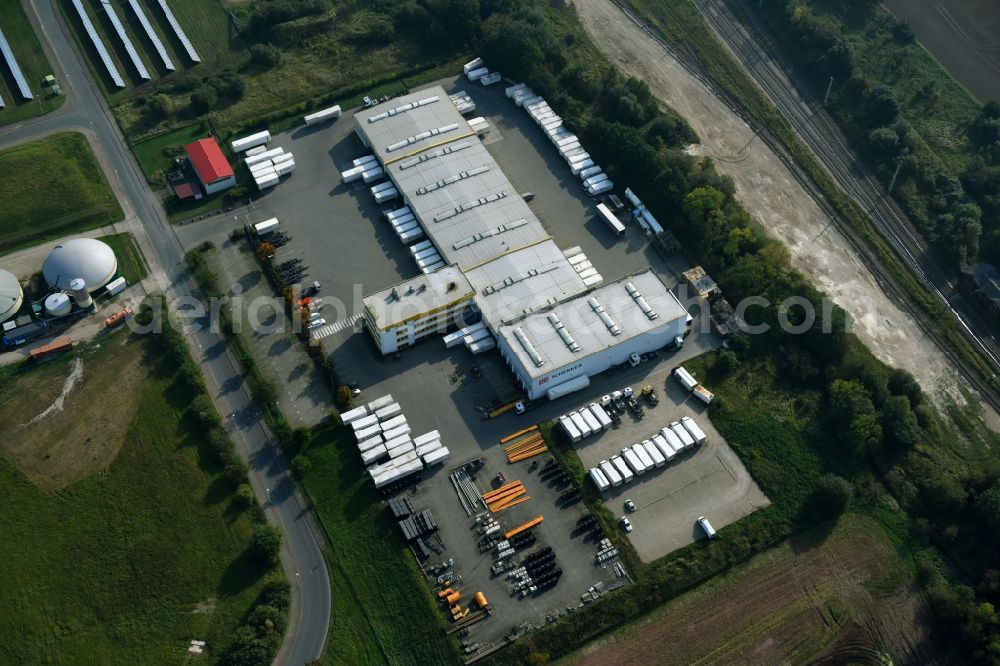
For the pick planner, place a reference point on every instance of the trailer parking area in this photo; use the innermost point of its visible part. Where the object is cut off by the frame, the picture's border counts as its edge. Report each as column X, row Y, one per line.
column 709, row 480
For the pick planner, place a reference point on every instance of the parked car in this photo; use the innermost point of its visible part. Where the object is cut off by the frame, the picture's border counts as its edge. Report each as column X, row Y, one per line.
column 316, row 323
column 626, row 524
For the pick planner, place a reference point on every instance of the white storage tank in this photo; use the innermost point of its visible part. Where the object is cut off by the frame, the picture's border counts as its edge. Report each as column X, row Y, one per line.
column 11, row 295
column 85, row 258
column 78, row 290
column 58, row 304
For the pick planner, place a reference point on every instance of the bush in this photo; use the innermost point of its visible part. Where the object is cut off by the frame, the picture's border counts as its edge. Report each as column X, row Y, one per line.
column 830, row 497
column 300, row 465
column 244, row 497
column 204, row 99
column 344, row 398
column 265, row 55
column 265, row 544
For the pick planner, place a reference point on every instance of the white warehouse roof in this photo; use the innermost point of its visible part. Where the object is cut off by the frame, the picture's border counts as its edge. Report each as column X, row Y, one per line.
column 448, row 178
column 633, row 306
column 11, row 295
column 85, row 258
column 521, row 282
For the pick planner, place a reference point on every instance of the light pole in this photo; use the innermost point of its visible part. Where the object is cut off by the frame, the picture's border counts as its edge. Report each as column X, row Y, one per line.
column 298, row 580
column 268, row 491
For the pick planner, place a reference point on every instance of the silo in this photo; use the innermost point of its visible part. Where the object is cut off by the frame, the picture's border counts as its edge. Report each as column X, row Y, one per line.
column 57, row 305
column 78, row 290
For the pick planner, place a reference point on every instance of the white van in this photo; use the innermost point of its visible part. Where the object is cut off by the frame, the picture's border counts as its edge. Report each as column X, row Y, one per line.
column 706, row 527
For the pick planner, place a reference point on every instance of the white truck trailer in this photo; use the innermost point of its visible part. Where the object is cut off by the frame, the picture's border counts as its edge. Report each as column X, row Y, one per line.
column 696, row 432
column 581, row 424
column 672, row 440
column 601, row 415
column 667, row 451
column 659, row 459
column 682, row 435
column 610, row 219
column 610, row 473
column 570, row 428
column 364, row 422
column 601, row 481
column 252, row 141
column 592, row 422
column 623, row 469
column 323, row 116
column 685, row 378
column 634, row 461
column 647, row 460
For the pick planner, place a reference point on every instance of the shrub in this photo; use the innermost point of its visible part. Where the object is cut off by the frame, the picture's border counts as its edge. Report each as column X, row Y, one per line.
column 344, row 398
column 300, row 465
column 265, row 544
column 244, row 497
column 830, row 497
column 265, row 55
column 204, row 99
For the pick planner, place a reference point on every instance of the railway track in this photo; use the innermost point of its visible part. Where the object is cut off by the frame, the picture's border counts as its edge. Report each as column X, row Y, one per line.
column 815, row 127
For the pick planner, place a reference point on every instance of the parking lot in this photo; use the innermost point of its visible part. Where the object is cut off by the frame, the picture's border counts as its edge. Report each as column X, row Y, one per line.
column 346, row 244
column 708, row 481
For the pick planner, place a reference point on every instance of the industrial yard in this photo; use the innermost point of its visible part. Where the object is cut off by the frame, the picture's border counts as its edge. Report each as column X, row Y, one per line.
column 440, row 398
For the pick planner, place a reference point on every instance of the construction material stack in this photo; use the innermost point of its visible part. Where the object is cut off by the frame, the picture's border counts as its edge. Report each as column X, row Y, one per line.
column 506, row 496
column 524, row 444
column 463, row 102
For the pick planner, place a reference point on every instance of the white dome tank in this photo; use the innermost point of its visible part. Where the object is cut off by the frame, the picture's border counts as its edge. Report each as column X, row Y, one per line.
column 58, row 305
column 11, row 295
column 78, row 290
column 85, row 258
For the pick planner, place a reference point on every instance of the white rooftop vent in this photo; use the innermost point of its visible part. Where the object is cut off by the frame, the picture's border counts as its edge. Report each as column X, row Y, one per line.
column 402, row 109
column 640, row 301
column 452, row 179
column 528, row 347
column 563, row 333
column 423, row 157
column 598, row 309
column 421, row 136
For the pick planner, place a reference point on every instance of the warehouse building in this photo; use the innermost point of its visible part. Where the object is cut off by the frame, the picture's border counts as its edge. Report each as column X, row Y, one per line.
column 500, row 257
column 210, row 165
column 11, row 296
column 556, row 351
column 81, row 258
column 401, row 316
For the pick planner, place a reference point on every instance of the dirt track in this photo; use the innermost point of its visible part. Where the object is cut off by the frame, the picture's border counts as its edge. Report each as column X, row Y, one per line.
column 773, row 197
column 844, row 598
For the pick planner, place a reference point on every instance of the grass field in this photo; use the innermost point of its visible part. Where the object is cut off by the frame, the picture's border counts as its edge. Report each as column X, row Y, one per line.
column 131, row 263
column 51, row 188
column 383, row 612
column 845, row 594
column 152, row 156
column 134, row 549
column 34, row 66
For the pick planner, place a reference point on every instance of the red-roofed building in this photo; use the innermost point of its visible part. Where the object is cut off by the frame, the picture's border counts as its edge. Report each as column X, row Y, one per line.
column 210, row 165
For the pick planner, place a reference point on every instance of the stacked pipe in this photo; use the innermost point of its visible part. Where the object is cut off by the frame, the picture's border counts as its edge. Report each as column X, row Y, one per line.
column 506, row 496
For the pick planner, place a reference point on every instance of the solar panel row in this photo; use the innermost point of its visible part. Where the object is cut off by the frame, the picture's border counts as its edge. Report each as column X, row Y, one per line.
column 126, row 41
column 179, row 31
column 15, row 69
column 99, row 45
column 153, row 37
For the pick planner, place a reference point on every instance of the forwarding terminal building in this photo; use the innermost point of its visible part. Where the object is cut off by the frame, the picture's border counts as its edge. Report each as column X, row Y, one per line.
column 546, row 309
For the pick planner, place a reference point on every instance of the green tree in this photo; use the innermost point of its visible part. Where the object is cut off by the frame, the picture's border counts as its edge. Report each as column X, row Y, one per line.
column 265, row 55
column 265, row 544
column 831, row 496
column 899, row 422
column 848, row 400
column 864, row 435
column 204, row 99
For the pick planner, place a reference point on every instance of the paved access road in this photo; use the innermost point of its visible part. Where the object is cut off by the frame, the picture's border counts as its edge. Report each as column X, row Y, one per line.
column 748, row 40
column 302, row 558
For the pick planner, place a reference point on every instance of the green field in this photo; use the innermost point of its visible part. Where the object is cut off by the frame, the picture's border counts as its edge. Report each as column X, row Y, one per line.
column 136, row 557
column 383, row 612
column 131, row 263
column 28, row 52
column 51, row 188
column 155, row 155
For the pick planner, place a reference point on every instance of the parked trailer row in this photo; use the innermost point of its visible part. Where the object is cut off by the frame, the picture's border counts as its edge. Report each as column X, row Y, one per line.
column 655, row 452
column 585, row 422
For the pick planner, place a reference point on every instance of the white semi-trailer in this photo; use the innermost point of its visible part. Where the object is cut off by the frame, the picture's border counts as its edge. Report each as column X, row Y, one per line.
column 685, row 378
column 581, row 424
column 601, row 481
column 569, row 428
column 675, row 443
column 667, row 451
column 696, row 432
column 610, row 473
column 322, row 116
column 252, row 141
column 629, row 456
column 623, row 469
column 592, row 422
column 682, row 435
column 658, row 458
column 647, row 460
column 601, row 415
column 353, row 415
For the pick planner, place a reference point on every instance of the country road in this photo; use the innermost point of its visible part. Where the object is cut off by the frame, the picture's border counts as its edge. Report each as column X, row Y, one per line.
column 87, row 112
